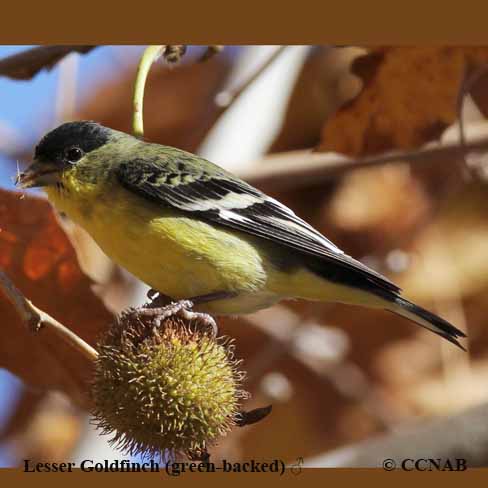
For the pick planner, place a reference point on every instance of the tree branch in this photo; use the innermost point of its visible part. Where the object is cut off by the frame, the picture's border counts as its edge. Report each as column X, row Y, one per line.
column 36, row 318
column 292, row 169
column 26, row 64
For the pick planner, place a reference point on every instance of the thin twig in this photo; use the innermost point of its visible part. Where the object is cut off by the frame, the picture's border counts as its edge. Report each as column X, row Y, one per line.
column 17, row 300
column 226, row 98
column 36, row 318
column 292, row 169
column 150, row 55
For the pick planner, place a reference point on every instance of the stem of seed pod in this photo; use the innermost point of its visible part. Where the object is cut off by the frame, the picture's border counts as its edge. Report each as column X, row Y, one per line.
column 150, row 55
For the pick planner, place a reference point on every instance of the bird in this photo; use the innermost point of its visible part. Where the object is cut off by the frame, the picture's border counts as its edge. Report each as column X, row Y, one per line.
column 198, row 234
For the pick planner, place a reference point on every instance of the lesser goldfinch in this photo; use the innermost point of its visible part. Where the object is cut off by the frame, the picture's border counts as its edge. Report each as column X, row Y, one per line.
column 190, row 229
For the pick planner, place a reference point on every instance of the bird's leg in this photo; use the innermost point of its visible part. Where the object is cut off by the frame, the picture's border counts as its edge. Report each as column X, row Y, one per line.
column 163, row 307
column 157, row 299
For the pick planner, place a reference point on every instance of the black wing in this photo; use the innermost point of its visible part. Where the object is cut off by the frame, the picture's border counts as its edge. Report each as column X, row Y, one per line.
column 216, row 196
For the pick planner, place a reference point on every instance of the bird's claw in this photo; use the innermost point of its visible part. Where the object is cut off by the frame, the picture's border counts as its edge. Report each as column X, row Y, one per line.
column 206, row 322
column 182, row 308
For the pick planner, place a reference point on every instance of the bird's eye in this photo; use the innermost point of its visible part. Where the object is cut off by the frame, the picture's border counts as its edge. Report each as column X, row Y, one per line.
column 74, row 154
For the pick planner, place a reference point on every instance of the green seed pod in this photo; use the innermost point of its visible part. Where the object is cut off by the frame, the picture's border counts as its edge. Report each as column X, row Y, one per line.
column 167, row 388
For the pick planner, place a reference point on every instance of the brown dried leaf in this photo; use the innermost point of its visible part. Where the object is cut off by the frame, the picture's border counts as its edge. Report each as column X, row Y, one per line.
column 409, row 98
column 38, row 257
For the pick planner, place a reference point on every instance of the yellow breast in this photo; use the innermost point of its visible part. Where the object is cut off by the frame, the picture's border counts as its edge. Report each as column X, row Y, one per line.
column 173, row 253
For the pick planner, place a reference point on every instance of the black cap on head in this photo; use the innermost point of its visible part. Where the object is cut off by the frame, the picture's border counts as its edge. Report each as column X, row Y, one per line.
column 86, row 135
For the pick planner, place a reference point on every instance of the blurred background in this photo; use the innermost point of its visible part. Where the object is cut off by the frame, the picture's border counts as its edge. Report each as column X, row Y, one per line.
column 367, row 146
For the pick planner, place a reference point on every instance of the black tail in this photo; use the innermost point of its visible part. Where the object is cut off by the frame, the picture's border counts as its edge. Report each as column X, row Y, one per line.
column 426, row 319
column 358, row 276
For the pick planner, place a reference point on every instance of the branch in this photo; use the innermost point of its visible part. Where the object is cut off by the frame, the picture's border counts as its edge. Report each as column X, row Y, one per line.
column 292, row 169
column 25, row 65
column 464, row 436
column 36, row 318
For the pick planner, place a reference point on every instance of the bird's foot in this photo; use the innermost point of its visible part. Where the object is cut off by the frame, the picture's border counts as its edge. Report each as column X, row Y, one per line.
column 161, row 307
column 181, row 308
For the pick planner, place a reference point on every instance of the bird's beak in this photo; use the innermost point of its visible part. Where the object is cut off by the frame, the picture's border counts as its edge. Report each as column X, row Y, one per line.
column 38, row 174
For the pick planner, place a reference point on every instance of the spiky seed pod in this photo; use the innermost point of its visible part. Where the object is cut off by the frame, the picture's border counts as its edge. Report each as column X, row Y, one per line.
column 164, row 388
